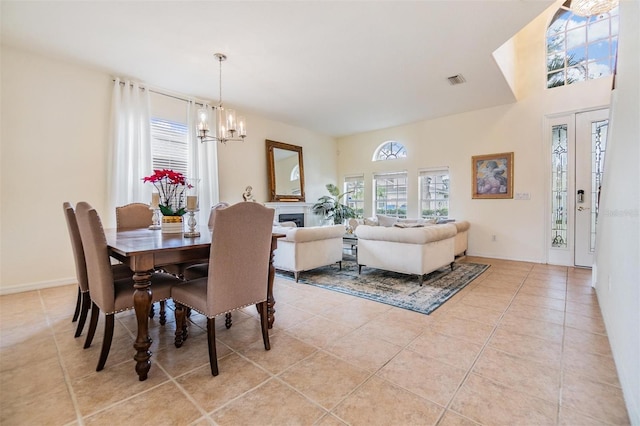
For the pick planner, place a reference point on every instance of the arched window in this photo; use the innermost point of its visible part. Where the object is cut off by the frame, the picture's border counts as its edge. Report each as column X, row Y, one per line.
column 389, row 150
column 580, row 48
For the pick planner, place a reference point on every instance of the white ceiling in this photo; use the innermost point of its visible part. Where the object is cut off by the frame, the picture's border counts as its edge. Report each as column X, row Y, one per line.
column 335, row 67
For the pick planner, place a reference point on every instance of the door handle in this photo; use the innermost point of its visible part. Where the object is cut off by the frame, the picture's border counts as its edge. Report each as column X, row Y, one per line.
column 583, row 208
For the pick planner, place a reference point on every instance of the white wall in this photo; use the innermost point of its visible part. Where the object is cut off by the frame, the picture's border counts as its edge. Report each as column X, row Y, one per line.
column 618, row 237
column 519, row 225
column 54, row 149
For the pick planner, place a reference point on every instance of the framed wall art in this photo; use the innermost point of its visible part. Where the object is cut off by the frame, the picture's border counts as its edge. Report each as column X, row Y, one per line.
column 492, row 175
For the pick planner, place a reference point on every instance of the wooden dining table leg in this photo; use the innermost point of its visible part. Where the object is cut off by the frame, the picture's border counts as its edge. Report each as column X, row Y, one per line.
column 143, row 268
column 271, row 302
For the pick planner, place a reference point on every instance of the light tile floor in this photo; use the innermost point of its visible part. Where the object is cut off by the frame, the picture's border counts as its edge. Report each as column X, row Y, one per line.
column 522, row 344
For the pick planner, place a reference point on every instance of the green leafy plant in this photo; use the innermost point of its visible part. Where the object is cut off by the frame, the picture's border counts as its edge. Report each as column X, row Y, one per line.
column 330, row 207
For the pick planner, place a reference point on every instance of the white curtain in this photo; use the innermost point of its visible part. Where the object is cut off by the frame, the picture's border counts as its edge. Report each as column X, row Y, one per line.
column 129, row 146
column 203, row 164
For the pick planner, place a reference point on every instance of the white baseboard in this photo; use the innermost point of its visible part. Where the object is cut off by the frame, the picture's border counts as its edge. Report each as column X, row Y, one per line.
column 501, row 257
column 20, row 288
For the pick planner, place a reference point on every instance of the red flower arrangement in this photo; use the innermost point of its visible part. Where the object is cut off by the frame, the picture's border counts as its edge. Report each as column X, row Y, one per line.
column 171, row 186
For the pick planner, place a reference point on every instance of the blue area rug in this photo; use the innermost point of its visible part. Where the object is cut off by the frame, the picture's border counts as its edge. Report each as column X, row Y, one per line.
column 393, row 288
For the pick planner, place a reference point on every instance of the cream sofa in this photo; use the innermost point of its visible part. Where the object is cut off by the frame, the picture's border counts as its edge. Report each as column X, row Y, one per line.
column 461, row 242
column 412, row 250
column 307, row 248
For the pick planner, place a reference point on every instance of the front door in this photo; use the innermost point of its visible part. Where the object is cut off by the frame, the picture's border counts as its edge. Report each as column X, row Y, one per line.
column 590, row 144
column 577, row 159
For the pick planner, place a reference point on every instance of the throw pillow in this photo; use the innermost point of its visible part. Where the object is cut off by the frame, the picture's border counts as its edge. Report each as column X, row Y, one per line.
column 387, row 221
column 408, row 225
column 370, row 221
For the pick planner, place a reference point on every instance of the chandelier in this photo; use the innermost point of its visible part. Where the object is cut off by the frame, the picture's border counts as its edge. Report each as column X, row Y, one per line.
column 226, row 126
column 592, row 7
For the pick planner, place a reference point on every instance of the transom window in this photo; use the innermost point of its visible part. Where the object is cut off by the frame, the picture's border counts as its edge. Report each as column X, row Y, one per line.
column 580, row 48
column 391, row 193
column 390, row 150
column 434, row 193
column 354, row 190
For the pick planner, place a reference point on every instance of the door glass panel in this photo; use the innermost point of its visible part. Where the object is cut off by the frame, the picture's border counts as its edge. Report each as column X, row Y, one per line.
column 559, row 178
column 598, row 145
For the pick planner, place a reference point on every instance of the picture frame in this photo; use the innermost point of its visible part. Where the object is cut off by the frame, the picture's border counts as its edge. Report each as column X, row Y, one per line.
column 492, row 175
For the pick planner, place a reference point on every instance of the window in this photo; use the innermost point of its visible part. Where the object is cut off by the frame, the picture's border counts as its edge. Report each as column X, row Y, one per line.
column 354, row 190
column 580, row 48
column 559, row 182
column 434, row 193
column 390, row 150
column 391, row 193
column 169, row 147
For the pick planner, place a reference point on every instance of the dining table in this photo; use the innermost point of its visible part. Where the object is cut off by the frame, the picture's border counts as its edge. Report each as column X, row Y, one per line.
column 144, row 251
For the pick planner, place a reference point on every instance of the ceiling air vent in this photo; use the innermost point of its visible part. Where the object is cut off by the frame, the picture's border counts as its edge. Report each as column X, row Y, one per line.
column 456, row 79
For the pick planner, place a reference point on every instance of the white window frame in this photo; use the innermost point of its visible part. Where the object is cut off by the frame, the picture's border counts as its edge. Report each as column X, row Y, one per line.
column 441, row 199
column 354, row 189
column 169, row 145
column 389, row 150
column 381, row 205
column 569, row 35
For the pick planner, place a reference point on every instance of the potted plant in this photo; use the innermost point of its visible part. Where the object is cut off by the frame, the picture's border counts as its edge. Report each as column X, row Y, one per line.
column 330, row 207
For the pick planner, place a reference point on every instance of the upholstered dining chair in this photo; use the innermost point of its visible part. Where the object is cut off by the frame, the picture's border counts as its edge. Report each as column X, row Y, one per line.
column 109, row 294
column 83, row 302
column 238, row 271
column 134, row 216
column 140, row 216
column 199, row 270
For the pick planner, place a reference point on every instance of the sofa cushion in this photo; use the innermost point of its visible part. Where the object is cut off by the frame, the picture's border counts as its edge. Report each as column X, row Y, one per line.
column 407, row 235
column 313, row 233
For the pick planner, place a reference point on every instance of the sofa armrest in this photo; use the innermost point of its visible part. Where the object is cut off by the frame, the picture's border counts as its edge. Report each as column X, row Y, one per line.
column 462, row 226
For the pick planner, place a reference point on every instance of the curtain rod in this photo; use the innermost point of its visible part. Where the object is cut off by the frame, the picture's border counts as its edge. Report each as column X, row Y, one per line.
column 159, row 92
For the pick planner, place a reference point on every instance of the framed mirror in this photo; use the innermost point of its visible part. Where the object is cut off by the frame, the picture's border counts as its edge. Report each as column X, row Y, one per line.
column 286, row 171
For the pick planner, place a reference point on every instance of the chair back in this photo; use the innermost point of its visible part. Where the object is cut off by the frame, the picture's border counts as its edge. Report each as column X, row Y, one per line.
column 239, row 259
column 94, row 242
column 133, row 216
column 214, row 209
column 76, row 245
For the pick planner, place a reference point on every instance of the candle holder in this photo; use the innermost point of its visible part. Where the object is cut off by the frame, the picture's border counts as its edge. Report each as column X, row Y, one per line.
column 192, row 223
column 155, row 219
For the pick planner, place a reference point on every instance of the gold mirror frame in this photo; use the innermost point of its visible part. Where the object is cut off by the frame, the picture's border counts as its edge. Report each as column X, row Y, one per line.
column 280, row 194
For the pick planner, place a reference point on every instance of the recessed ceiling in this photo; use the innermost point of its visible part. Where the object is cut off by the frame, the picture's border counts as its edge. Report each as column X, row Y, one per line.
column 334, row 67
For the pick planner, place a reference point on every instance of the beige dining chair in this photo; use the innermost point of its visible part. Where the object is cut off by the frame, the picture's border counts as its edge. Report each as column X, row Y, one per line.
column 83, row 302
column 133, row 216
column 239, row 265
column 109, row 294
column 140, row 216
column 199, row 270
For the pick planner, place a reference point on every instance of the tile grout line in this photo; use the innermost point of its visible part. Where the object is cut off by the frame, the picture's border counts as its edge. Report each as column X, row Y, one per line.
column 481, row 352
column 65, row 373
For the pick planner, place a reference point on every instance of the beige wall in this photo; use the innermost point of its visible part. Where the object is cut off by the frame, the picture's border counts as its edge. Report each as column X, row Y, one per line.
column 618, row 241
column 55, row 118
column 519, row 225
